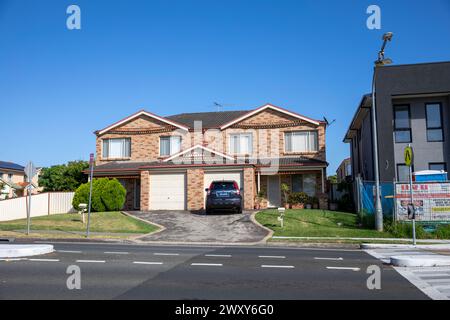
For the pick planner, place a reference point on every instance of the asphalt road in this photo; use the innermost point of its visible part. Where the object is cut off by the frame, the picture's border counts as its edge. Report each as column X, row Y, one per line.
column 112, row 271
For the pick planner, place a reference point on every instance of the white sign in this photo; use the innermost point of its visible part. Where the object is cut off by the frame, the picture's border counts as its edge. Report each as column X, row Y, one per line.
column 432, row 201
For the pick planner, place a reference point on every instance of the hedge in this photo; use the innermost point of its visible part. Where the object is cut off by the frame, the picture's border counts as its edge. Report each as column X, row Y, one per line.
column 107, row 195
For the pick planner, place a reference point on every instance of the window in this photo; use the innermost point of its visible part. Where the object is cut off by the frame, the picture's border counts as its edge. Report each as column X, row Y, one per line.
column 169, row 145
column 304, row 183
column 403, row 173
column 439, row 166
column 300, row 141
column 434, row 122
column 241, row 143
column 10, row 176
column 117, row 148
column 402, row 124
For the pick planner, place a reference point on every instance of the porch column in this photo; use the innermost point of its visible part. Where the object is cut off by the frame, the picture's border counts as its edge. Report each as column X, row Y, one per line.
column 249, row 181
column 259, row 181
column 145, row 191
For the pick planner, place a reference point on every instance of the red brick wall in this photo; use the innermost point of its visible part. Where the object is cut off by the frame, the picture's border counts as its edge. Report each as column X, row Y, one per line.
column 195, row 191
column 145, row 191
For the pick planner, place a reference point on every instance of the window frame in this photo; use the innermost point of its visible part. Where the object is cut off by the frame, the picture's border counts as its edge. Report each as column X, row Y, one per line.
column 308, row 139
column 170, row 137
column 402, row 129
column 233, row 152
column 437, row 163
column 397, row 173
column 441, row 120
column 108, row 155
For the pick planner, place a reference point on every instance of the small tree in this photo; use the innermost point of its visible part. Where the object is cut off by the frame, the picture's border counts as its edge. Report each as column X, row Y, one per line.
column 107, row 195
column 285, row 190
column 64, row 177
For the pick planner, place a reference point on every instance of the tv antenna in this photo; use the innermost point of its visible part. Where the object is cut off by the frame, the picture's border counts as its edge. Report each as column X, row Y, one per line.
column 328, row 123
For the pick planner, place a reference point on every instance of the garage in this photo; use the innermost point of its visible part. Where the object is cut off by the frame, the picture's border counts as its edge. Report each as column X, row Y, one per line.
column 168, row 191
column 214, row 176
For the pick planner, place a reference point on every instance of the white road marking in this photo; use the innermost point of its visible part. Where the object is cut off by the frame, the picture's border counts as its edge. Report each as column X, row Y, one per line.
column 146, row 262
column 344, row 268
column 321, row 258
column 44, row 260
column 272, row 257
column 68, row 251
column 166, row 254
column 116, row 252
column 91, row 261
column 207, row 264
column 218, row 255
column 273, row 266
column 13, row 259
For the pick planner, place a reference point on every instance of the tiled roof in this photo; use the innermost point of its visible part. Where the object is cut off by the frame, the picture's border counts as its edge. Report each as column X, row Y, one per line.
column 209, row 119
column 10, row 166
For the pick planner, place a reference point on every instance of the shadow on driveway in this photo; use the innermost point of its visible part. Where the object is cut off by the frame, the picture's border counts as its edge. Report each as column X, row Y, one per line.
column 183, row 226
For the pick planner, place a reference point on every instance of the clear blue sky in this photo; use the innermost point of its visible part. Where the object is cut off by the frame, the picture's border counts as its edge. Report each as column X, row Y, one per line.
column 314, row 57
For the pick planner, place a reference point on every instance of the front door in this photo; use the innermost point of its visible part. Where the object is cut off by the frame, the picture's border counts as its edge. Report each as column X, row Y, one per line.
column 273, row 191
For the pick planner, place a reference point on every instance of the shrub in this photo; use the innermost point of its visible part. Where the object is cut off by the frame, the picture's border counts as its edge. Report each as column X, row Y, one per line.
column 298, row 198
column 443, row 231
column 107, row 195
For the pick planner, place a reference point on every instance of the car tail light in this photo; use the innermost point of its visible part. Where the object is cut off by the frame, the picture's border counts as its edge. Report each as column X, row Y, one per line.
column 236, row 187
column 209, row 189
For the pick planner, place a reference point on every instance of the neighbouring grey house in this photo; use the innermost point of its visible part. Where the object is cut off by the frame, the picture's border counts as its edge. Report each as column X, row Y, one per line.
column 413, row 106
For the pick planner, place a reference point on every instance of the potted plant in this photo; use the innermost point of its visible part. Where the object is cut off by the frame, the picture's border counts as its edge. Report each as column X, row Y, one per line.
column 315, row 202
column 285, row 191
column 298, row 200
column 259, row 198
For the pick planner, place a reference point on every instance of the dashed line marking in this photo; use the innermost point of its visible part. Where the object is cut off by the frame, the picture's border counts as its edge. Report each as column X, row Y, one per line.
column 68, row 251
column 274, row 266
column 218, row 255
column 13, row 259
column 344, row 268
column 44, row 260
column 147, row 262
column 272, row 257
column 207, row 264
column 116, row 252
column 91, row 261
column 322, row 258
column 166, row 254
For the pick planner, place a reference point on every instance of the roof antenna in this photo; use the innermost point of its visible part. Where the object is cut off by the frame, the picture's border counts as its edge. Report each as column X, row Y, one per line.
column 218, row 106
column 328, row 123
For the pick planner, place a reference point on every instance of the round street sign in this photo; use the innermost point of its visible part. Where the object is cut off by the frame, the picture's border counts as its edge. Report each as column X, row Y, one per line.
column 408, row 155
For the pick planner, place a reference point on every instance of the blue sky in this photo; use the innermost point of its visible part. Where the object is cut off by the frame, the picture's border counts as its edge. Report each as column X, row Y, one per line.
column 314, row 57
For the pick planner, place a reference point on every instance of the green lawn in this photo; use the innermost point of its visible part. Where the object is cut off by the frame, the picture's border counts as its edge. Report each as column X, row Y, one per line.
column 110, row 222
column 317, row 223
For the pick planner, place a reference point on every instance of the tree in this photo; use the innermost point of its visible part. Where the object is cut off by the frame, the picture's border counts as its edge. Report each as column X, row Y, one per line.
column 332, row 179
column 64, row 177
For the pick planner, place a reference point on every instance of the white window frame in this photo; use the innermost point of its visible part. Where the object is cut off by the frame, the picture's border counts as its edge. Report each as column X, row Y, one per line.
column 308, row 148
column 238, row 152
column 171, row 151
column 108, row 154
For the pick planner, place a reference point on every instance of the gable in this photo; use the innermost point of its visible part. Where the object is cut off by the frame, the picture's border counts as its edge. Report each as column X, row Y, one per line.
column 199, row 154
column 270, row 116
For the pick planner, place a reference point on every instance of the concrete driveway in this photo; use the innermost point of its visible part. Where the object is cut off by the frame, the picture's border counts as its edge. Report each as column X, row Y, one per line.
column 183, row 226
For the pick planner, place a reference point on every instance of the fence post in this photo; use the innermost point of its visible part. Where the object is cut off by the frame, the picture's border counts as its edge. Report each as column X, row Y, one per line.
column 48, row 204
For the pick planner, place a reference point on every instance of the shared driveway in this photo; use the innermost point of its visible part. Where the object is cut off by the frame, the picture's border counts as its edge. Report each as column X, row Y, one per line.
column 183, row 226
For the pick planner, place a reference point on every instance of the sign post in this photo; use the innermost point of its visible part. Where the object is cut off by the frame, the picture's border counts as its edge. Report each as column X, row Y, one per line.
column 409, row 156
column 91, row 166
column 30, row 171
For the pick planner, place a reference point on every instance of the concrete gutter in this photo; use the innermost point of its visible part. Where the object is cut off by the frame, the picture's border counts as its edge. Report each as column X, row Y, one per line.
column 420, row 261
column 370, row 246
column 24, row 250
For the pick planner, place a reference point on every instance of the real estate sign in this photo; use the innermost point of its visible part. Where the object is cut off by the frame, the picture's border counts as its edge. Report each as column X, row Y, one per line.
column 432, row 201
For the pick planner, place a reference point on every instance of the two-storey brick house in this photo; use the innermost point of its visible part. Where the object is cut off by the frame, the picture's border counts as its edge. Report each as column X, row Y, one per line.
column 165, row 163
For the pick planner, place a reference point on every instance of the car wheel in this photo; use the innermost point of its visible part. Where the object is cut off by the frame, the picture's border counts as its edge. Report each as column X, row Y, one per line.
column 239, row 210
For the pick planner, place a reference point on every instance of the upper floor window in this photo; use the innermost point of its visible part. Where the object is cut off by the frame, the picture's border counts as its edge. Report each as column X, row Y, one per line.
column 439, row 166
column 117, row 148
column 241, row 143
column 402, row 124
column 434, row 122
column 169, row 145
column 300, row 141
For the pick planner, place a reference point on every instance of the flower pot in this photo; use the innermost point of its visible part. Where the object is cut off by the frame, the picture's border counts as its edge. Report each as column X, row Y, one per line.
column 298, row 206
column 308, row 206
column 315, row 206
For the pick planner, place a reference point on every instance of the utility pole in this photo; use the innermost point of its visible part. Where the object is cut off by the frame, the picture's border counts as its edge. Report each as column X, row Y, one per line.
column 381, row 61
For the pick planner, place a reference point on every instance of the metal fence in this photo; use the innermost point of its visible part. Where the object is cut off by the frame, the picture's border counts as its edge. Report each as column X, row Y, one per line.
column 365, row 197
column 41, row 204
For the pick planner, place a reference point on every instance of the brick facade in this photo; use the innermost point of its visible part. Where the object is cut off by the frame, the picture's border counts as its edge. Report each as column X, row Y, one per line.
column 249, row 188
column 195, row 190
column 145, row 191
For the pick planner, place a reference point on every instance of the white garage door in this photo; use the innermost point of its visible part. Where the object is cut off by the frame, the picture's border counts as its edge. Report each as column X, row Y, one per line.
column 167, row 192
column 235, row 176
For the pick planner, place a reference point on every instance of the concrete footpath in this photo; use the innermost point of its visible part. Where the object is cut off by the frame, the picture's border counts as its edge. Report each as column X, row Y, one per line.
column 24, row 250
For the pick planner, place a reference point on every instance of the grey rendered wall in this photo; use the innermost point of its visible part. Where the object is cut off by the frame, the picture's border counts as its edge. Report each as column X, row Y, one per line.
column 402, row 80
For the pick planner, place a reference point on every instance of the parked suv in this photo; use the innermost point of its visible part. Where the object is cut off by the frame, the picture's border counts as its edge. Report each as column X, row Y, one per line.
column 223, row 195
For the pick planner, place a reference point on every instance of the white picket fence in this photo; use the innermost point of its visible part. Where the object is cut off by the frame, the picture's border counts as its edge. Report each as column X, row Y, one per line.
column 41, row 205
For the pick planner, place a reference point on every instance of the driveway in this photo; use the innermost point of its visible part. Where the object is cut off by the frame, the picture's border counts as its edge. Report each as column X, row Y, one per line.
column 183, row 226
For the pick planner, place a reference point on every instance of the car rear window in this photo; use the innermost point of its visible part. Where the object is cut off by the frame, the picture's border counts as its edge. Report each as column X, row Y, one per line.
column 222, row 186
